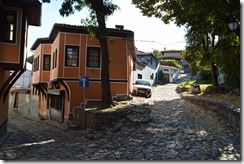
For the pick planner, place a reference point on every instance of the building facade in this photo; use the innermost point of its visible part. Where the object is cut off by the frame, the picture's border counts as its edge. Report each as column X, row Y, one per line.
column 171, row 74
column 15, row 16
column 70, row 53
column 24, row 80
column 176, row 55
column 147, row 66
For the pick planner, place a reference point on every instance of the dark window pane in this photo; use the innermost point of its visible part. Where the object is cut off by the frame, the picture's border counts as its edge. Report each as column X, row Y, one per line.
column 72, row 56
column 46, row 62
column 8, row 25
column 93, row 57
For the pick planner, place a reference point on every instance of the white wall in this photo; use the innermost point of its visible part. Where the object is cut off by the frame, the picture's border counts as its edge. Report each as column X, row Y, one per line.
column 147, row 70
column 172, row 71
column 24, row 80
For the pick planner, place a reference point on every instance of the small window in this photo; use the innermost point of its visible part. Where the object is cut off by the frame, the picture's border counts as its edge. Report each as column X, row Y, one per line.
column 36, row 64
column 55, row 58
column 152, row 76
column 46, row 62
column 8, row 24
column 72, row 56
column 139, row 76
column 93, row 57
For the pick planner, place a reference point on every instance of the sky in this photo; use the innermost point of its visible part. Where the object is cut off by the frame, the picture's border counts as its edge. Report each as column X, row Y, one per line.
column 149, row 33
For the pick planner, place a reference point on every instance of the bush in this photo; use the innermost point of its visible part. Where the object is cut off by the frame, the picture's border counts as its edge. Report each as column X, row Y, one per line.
column 215, row 89
column 205, row 75
column 170, row 62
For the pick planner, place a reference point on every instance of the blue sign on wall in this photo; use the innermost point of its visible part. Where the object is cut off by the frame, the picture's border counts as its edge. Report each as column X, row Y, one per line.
column 84, row 82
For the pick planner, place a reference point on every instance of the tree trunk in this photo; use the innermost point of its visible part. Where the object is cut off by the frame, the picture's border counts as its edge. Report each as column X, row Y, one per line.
column 213, row 67
column 106, row 93
column 102, row 37
column 214, row 74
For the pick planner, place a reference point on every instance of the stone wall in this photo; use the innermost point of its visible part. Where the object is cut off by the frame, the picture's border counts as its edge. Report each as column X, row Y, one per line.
column 94, row 119
column 27, row 107
column 97, row 120
column 230, row 113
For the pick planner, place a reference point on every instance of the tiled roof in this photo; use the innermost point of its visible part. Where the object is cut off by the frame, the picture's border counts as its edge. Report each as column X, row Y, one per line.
column 57, row 27
column 146, row 54
column 41, row 41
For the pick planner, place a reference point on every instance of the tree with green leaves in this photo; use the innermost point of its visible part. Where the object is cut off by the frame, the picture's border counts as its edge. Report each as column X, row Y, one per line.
column 157, row 53
column 96, row 23
column 204, row 20
column 228, row 59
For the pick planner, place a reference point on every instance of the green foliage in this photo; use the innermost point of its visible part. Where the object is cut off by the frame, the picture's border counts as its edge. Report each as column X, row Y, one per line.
column 161, row 76
column 204, row 19
column 228, row 59
column 170, row 62
column 157, row 53
column 203, row 84
column 205, row 74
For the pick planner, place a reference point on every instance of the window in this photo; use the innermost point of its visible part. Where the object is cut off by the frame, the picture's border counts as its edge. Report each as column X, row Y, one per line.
column 55, row 58
column 93, row 57
column 46, row 62
column 152, row 76
column 56, row 102
column 72, row 56
column 139, row 76
column 36, row 64
column 8, row 26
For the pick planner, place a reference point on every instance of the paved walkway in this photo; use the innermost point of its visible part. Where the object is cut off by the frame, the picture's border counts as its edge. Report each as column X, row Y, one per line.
column 178, row 131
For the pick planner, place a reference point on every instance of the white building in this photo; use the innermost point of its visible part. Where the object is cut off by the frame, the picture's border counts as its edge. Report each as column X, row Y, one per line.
column 171, row 74
column 24, row 80
column 147, row 67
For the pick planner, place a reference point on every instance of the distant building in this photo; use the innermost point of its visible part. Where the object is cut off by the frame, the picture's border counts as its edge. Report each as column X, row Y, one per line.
column 147, row 67
column 171, row 54
column 176, row 55
column 24, row 80
column 171, row 74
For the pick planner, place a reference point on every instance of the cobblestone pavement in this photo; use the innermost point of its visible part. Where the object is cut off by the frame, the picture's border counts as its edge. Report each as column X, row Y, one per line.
column 178, row 131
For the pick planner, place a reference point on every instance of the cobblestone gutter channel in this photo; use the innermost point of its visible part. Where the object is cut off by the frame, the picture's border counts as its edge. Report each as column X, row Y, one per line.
column 230, row 114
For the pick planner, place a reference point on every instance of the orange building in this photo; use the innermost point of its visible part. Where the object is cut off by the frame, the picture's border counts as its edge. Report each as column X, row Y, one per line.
column 69, row 53
column 15, row 16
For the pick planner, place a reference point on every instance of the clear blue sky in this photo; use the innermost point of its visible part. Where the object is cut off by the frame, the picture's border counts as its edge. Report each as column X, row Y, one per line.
column 150, row 33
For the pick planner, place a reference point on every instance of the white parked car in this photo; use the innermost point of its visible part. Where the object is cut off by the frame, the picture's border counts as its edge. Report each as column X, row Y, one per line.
column 142, row 87
column 182, row 71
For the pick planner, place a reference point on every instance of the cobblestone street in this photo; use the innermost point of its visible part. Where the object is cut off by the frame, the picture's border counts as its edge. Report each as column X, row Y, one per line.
column 178, row 131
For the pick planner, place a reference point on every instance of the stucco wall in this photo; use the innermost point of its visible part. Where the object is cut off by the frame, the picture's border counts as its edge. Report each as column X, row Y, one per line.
column 27, row 107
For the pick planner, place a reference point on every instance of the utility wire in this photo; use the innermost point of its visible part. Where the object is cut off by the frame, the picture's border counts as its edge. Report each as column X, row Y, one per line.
column 159, row 42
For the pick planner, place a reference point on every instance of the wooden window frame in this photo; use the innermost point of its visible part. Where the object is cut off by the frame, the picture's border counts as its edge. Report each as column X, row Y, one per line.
column 46, row 62
column 36, row 64
column 54, row 61
column 5, row 25
column 72, row 59
column 93, row 61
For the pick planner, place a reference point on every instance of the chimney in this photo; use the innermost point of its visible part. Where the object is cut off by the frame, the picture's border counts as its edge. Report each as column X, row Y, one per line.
column 119, row 27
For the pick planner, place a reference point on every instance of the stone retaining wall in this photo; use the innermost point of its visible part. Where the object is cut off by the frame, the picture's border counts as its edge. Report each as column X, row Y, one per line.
column 230, row 113
column 97, row 120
